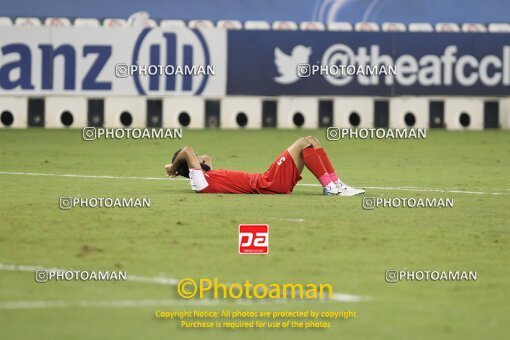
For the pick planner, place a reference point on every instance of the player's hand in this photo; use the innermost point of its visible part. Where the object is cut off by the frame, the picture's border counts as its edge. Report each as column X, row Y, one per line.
column 170, row 171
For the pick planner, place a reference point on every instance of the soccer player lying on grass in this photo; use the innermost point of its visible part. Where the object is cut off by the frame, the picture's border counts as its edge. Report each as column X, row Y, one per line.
column 280, row 178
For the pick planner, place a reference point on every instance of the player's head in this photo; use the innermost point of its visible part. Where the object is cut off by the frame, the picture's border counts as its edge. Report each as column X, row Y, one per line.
column 183, row 169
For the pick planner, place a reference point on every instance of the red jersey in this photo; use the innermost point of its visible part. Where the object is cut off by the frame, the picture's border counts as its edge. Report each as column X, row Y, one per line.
column 231, row 182
column 280, row 178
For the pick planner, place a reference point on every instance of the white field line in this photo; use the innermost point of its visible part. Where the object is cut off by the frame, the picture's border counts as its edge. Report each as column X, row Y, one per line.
column 415, row 189
column 87, row 176
column 405, row 188
column 337, row 297
column 300, row 220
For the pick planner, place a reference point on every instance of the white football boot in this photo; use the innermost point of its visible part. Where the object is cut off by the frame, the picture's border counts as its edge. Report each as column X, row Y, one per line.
column 345, row 190
column 330, row 190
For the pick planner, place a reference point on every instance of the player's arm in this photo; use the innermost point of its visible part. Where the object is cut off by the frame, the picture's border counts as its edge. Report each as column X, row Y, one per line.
column 187, row 154
column 205, row 159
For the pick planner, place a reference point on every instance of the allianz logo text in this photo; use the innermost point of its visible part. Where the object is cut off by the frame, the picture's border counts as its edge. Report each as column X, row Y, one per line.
column 89, row 63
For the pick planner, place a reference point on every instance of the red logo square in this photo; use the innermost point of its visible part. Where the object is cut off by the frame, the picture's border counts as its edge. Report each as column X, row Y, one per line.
column 253, row 239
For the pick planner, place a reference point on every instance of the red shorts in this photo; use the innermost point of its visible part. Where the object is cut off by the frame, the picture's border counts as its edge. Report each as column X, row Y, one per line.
column 280, row 178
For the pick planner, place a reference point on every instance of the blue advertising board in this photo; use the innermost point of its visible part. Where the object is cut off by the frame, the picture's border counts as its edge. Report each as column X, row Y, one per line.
column 272, row 63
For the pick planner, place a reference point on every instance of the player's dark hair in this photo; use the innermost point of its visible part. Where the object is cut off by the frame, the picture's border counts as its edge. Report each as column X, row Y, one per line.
column 183, row 169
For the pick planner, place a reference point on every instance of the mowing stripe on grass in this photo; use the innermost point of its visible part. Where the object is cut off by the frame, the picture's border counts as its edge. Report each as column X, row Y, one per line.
column 133, row 303
column 406, row 188
column 337, row 297
column 100, row 303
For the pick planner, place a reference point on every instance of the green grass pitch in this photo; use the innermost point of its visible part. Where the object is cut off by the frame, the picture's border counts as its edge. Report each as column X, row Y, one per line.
column 312, row 238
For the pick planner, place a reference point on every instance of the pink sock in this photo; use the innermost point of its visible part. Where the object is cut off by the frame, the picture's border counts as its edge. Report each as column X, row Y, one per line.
column 325, row 180
column 327, row 164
